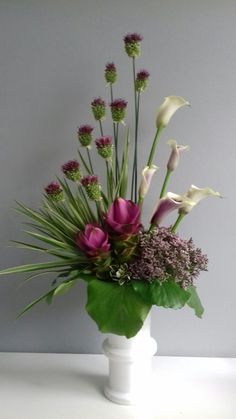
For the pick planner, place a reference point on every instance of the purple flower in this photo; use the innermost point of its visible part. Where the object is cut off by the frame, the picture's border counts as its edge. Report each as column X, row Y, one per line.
column 163, row 255
column 71, row 170
column 141, row 80
column 92, row 187
column 123, row 218
column 132, row 37
column 93, row 241
column 142, row 75
column 110, row 73
column 54, row 191
column 118, row 107
column 85, row 135
column 104, row 146
column 98, row 106
column 132, row 44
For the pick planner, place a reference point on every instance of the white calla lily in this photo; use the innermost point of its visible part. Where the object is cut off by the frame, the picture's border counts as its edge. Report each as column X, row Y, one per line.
column 167, row 109
column 194, row 195
column 174, row 155
column 146, row 177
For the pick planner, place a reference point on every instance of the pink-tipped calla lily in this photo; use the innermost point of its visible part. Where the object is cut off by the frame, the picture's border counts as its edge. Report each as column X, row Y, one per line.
column 167, row 204
column 193, row 196
column 174, row 155
column 167, row 109
column 146, row 178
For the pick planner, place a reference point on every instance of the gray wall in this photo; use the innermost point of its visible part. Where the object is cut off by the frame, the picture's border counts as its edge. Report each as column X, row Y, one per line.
column 52, row 55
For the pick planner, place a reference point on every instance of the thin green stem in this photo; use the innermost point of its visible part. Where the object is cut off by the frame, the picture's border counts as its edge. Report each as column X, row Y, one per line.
column 133, row 188
column 176, row 224
column 109, row 181
column 168, row 172
column 154, row 145
column 136, row 151
column 116, row 153
column 101, row 130
column 89, row 159
column 99, row 210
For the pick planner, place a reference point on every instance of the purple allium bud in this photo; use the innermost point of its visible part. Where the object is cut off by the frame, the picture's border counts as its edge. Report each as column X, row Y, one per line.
column 98, row 108
column 85, row 135
column 92, row 187
column 141, row 80
column 54, row 191
column 71, row 170
column 110, row 73
column 104, row 147
column 118, row 107
column 132, row 44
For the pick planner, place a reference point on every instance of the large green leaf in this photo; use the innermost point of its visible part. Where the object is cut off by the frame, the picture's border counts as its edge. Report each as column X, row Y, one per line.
column 166, row 294
column 194, row 301
column 116, row 308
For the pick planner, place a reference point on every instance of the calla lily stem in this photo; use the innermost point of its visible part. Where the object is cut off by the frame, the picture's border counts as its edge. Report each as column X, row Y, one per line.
column 177, row 222
column 154, row 145
column 168, row 172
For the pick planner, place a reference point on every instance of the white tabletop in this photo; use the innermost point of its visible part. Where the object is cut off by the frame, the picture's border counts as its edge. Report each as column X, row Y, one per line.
column 62, row 386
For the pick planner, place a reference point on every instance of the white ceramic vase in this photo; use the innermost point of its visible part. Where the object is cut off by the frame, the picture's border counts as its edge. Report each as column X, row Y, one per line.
column 130, row 365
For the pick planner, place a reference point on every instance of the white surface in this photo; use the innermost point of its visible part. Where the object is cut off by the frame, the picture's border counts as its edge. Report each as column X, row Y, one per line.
column 58, row 386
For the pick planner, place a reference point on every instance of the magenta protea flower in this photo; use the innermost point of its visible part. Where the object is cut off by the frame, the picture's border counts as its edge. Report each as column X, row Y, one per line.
column 92, row 187
column 85, row 135
column 110, row 73
column 141, row 80
column 104, row 147
column 98, row 106
column 71, row 170
column 123, row 218
column 93, row 241
column 118, row 108
column 132, row 44
column 54, row 191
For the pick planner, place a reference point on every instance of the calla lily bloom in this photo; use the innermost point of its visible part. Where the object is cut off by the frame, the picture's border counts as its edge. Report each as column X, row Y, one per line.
column 167, row 204
column 174, row 155
column 167, row 109
column 194, row 195
column 147, row 175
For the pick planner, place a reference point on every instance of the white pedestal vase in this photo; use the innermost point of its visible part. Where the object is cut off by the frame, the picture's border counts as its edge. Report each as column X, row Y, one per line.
column 130, row 365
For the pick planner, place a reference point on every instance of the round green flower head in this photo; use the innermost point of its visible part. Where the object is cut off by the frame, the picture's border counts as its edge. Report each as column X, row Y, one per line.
column 54, row 191
column 71, row 170
column 132, row 44
column 141, row 80
column 118, row 108
column 92, row 187
column 104, row 147
column 85, row 135
column 98, row 108
column 110, row 73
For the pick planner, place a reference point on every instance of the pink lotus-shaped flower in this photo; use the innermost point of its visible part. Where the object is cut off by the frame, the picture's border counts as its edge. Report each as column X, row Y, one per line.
column 123, row 218
column 93, row 241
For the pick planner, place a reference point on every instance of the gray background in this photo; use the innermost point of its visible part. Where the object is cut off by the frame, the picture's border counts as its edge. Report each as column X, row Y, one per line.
column 52, row 56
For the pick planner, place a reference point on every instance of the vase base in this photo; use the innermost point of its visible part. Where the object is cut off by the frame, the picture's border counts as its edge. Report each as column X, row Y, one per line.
column 120, row 398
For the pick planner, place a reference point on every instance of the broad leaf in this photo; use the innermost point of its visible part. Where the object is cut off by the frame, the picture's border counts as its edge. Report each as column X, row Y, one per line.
column 166, row 294
column 116, row 308
column 194, row 301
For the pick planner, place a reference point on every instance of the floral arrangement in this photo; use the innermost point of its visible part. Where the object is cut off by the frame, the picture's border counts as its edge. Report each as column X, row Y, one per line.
column 96, row 233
